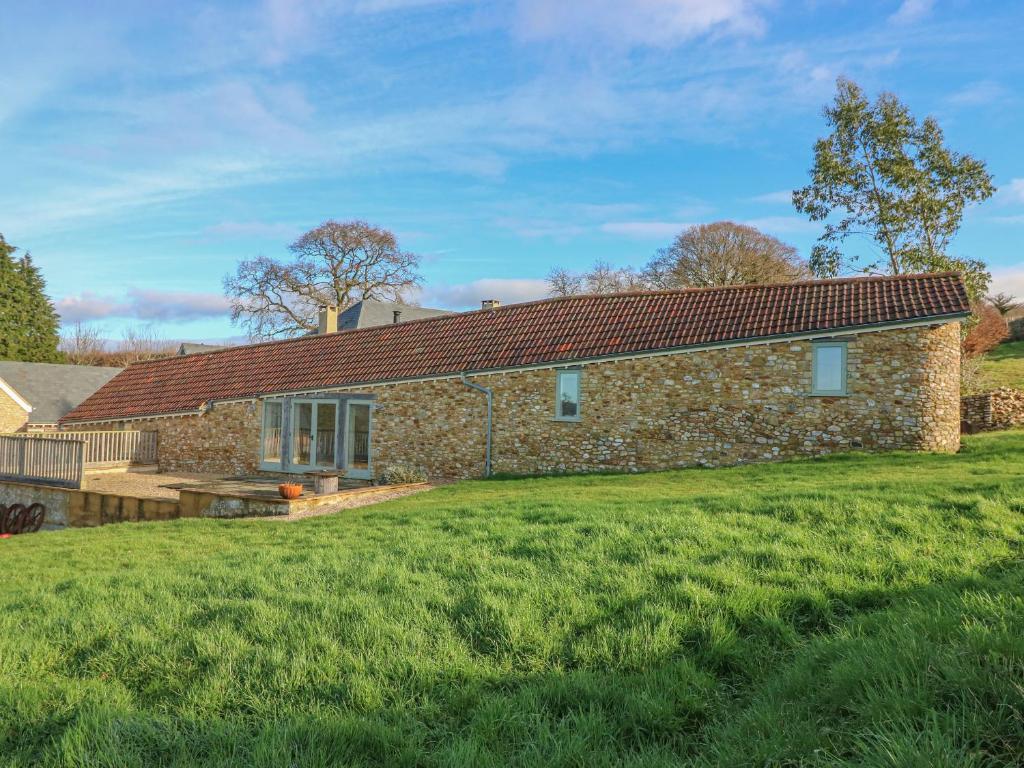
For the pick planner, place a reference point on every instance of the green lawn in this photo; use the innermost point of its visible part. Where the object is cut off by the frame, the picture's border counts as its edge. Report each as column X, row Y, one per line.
column 859, row 610
column 1004, row 365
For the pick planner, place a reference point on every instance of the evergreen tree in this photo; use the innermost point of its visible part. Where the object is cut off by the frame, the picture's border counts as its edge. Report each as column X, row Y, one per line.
column 29, row 325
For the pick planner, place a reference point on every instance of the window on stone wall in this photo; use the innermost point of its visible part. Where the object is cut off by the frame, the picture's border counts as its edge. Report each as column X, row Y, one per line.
column 828, row 374
column 567, row 396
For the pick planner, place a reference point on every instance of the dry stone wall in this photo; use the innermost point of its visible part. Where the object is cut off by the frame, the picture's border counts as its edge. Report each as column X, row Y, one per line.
column 709, row 408
column 999, row 409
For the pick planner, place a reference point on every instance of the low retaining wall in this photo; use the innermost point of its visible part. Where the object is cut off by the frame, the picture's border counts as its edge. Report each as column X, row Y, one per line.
column 206, row 504
column 999, row 409
column 82, row 509
column 66, row 507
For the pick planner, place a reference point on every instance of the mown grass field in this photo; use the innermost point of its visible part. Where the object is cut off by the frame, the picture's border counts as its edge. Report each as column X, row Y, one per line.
column 1004, row 365
column 859, row 610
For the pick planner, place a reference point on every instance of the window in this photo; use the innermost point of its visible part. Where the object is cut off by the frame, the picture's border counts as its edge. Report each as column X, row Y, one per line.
column 567, row 396
column 828, row 375
column 272, row 415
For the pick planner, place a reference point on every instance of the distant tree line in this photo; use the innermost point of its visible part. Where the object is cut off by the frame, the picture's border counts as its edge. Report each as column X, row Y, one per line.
column 701, row 256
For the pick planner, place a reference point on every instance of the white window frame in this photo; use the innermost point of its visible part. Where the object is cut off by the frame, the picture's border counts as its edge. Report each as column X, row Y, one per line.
column 578, row 373
column 845, row 373
column 314, row 425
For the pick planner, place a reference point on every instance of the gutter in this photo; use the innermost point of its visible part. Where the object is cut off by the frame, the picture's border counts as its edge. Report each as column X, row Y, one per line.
column 490, row 419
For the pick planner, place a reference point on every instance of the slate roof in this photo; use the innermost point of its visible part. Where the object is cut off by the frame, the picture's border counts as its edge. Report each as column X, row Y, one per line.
column 52, row 389
column 562, row 330
column 370, row 312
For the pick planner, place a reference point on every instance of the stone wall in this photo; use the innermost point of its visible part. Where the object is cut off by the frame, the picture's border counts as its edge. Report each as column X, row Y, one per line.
column 83, row 509
column 224, row 441
column 708, row 408
column 1000, row 409
column 12, row 415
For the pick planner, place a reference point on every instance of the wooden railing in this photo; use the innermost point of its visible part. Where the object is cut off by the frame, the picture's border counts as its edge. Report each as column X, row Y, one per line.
column 43, row 460
column 113, row 447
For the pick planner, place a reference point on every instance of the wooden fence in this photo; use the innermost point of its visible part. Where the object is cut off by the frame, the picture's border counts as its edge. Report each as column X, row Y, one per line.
column 40, row 459
column 61, row 458
column 113, row 447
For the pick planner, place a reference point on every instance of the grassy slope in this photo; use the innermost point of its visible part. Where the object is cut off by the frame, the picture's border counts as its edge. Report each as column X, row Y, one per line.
column 857, row 610
column 1004, row 365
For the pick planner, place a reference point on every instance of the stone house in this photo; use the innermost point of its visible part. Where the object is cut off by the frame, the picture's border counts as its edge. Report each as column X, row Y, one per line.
column 34, row 396
column 633, row 381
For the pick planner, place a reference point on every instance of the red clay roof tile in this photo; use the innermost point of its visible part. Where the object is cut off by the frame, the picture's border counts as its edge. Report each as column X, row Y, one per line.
column 551, row 331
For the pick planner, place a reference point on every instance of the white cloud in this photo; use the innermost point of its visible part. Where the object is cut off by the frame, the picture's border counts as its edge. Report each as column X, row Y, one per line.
column 469, row 295
column 660, row 23
column 143, row 304
column 783, row 224
column 241, row 229
column 645, row 230
column 1008, row 280
column 783, row 196
column 1012, row 192
column 978, row 93
column 911, row 11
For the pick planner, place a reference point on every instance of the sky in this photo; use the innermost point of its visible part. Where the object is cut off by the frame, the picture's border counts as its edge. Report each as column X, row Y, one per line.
column 146, row 148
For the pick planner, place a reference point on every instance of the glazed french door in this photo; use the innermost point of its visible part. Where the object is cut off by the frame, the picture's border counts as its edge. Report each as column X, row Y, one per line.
column 358, row 424
column 314, row 435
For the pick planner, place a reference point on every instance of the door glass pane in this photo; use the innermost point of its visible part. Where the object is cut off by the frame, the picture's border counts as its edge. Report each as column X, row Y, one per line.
column 326, row 418
column 302, row 429
column 359, row 436
column 272, row 433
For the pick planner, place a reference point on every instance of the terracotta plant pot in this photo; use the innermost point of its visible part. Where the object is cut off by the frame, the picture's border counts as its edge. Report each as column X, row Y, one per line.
column 289, row 490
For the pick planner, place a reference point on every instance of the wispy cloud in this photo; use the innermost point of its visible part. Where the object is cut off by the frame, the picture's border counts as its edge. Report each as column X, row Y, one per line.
column 1009, row 280
column 143, row 304
column 469, row 295
column 638, row 22
column 243, row 229
column 978, row 93
column 783, row 224
column 645, row 230
column 1012, row 191
column 911, row 11
column 781, row 197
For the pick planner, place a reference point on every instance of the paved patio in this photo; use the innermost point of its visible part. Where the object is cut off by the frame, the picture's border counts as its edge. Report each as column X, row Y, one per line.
column 152, row 485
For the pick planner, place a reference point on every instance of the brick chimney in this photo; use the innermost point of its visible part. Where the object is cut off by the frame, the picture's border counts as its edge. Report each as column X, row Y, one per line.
column 328, row 320
column 490, row 303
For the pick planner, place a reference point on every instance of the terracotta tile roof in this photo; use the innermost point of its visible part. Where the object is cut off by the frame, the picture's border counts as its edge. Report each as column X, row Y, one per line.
column 549, row 331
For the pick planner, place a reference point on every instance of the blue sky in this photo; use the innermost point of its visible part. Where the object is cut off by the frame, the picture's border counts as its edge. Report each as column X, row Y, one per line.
column 146, row 147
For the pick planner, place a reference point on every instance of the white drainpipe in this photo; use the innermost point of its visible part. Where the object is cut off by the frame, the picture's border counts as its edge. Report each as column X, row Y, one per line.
column 490, row 419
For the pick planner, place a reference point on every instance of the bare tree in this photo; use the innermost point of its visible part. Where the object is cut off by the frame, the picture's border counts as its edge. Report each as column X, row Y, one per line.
column 82, row 345
column 140, row 343
column 601, row 278
column 337, row 263
column 724, row 253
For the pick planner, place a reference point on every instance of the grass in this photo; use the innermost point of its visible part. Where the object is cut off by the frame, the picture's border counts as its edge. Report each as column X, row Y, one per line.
column 1004, row 365
column 858, row 610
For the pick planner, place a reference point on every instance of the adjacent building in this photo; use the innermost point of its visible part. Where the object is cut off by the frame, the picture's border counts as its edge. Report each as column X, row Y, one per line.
column 34, row 396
